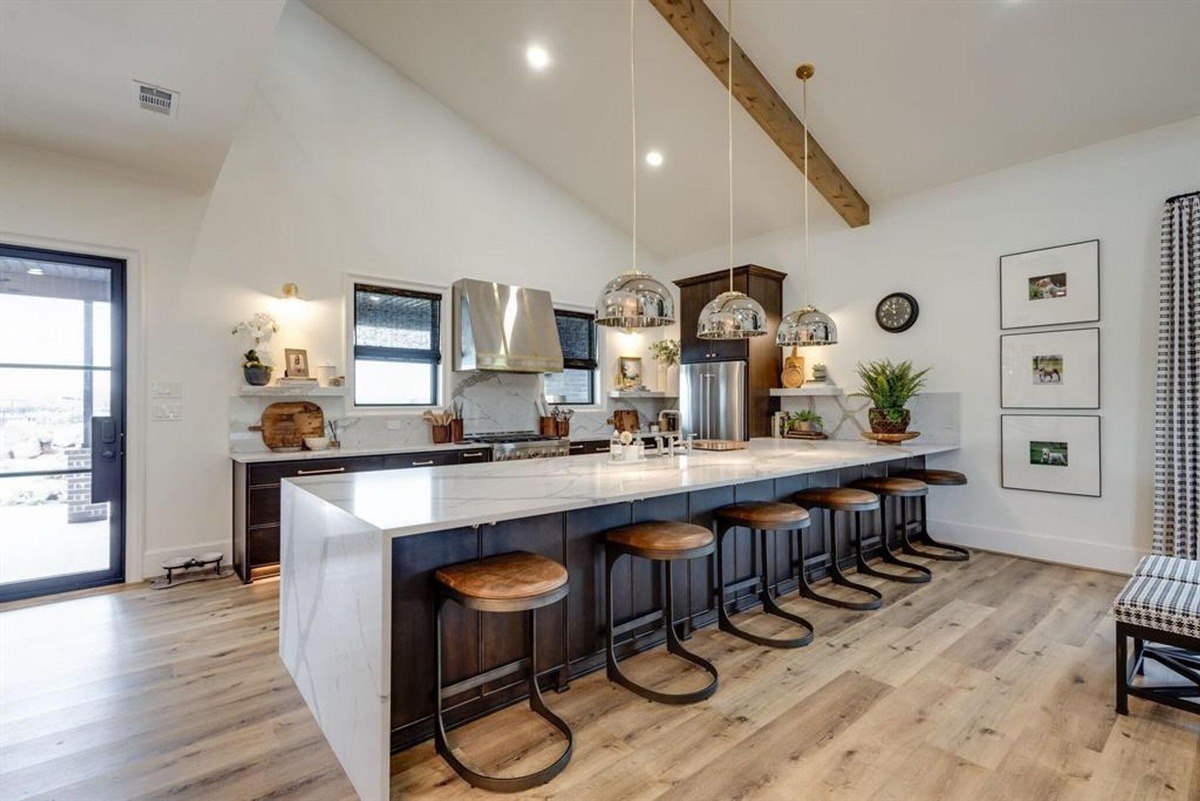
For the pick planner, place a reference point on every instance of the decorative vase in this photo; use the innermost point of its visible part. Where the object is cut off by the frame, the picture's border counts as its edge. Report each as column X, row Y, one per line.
column 882, row 424
column 660, row 382
column 672, row 387
column 257, row 375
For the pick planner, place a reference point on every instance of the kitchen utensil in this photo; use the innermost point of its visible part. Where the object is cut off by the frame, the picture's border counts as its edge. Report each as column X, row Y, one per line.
column 718, row 445
column 285, row 425
column 793, row 370
column 441, row 434
column 626, row 420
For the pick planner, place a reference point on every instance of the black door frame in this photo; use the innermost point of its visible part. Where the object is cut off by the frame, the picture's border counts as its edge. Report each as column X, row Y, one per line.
column 120, row 376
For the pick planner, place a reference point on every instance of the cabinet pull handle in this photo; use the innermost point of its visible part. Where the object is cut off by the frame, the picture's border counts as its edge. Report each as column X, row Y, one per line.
column 473, row 455
column 320, row 472
column 577, row 447
column 423, row 464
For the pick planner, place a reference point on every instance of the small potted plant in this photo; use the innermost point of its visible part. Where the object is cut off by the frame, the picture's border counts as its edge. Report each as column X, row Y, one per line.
column 806, row 421
column 889, row 387
column 260, row 328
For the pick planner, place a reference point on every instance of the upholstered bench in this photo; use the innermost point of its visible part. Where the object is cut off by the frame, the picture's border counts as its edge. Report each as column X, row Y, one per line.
column 1160, row 609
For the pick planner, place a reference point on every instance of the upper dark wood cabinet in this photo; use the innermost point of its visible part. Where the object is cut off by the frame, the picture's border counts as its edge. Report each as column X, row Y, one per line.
column 763, row 357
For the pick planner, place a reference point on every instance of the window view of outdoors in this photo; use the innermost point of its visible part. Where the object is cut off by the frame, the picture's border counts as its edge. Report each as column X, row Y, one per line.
column 55, row 360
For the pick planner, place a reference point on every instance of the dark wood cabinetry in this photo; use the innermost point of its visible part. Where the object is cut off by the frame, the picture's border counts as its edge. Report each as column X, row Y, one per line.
column 256, row 497
column 584, row 447
column 763, row 358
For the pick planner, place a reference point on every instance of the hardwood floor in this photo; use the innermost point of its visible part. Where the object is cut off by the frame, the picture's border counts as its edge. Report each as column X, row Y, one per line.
column 993, row 682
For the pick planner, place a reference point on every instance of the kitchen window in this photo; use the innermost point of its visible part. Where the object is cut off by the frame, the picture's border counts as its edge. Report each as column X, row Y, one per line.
column 397, row 346
column 576, row 384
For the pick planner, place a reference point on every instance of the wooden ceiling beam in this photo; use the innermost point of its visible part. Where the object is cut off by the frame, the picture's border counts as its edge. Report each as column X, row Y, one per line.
column 698, row 26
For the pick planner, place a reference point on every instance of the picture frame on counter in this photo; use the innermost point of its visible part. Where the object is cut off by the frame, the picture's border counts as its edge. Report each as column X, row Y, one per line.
column 295, row 362
column 629, row 372
column 1054, row 453
column 1050, row 369
column 1050, row 286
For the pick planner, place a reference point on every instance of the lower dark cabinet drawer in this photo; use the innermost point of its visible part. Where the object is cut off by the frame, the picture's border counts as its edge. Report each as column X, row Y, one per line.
column 262, row 545
column 427, row 459
column 261, row 474
column 475, row 456
column 262, row 506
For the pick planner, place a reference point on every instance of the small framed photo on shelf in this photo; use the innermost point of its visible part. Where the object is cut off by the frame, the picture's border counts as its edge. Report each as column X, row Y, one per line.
column 1050, row 453
column 629, row 372
column 1050, row 286
column 1050, row 370
column 296, row 361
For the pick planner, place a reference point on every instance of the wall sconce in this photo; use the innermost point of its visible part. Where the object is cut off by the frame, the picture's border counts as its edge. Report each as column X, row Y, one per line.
column 291, row 292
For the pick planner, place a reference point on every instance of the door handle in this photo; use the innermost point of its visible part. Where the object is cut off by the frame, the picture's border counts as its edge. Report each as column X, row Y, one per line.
column 106, row 464
column 321, row 472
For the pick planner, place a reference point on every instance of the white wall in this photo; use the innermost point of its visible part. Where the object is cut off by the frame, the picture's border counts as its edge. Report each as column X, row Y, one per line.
column 942, row 246
column 341, row 165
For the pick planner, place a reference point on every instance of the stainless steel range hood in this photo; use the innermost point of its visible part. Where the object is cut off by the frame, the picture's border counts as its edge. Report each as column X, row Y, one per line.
column 504, row 328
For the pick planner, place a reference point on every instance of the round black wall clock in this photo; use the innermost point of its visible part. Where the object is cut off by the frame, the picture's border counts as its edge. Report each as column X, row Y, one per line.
column 897, row 312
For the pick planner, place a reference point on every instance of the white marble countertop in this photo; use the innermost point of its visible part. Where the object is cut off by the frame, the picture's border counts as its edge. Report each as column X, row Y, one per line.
column 417, row 500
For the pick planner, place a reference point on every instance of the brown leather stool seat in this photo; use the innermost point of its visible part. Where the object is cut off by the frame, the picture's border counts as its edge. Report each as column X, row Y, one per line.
column 516, row 581
column 889, row 487
column 510, row 582
column 760, row 517
column 893, row 486
column 937, row 478
column 662, row 542
column 946, row 552
column 832, row 500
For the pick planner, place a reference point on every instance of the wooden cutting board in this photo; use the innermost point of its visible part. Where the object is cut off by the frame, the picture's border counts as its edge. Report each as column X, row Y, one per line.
column 285, row 425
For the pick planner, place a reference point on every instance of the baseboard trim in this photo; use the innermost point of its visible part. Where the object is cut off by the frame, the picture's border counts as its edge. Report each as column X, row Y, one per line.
column 152, row 563
column 1121, row 559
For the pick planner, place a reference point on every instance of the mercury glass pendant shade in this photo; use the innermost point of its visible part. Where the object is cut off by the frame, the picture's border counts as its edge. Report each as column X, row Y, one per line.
column 732, row 315
column 806, row 326
column 635, row 299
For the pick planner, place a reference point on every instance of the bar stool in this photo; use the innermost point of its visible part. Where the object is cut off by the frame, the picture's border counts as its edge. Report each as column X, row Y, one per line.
column 511, row 582
column 760, row 517
column 934, row 478
column 832, row 500
column 664, row 542
column 888, row 488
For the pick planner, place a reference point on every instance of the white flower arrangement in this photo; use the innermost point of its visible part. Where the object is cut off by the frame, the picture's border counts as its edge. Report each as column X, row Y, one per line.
column 261, row 327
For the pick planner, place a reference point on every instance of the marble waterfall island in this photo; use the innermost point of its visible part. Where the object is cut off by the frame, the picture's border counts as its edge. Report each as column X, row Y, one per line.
column 359, row 549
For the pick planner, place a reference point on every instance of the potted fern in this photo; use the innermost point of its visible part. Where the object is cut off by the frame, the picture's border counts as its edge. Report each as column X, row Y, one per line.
column 889, row 387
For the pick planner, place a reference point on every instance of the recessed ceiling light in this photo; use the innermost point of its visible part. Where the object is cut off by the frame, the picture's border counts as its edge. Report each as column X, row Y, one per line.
column 654, row 158
column 537, row 56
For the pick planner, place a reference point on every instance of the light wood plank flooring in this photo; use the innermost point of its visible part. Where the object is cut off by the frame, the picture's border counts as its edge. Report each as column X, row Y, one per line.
column 994, row 682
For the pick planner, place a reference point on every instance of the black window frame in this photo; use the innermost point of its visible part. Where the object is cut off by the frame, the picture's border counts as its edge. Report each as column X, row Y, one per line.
column 432, row 357
column 590, row 363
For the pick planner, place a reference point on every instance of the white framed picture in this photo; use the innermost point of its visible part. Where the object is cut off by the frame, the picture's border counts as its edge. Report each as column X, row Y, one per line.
column 1050, row 369
column 1050, row 453
column 1050, row 286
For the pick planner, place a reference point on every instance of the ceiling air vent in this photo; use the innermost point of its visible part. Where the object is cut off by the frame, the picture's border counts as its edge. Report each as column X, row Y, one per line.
column 155, row 98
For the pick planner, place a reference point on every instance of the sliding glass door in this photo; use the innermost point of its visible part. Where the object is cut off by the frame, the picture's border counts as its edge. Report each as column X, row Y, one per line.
column 62, row 421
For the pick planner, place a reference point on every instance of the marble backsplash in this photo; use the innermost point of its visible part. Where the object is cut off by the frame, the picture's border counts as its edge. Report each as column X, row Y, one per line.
column 490, row 402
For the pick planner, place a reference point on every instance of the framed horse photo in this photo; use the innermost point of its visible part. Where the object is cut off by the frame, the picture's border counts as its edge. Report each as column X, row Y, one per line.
column 1050, row 453
column 1050, row 370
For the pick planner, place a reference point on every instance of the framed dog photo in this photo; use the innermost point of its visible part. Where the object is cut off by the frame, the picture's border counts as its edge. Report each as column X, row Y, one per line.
column 1050, row 453
column 1050, row 370
column 1050, row 286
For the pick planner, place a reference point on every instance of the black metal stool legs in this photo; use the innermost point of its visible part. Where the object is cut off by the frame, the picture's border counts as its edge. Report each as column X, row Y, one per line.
column 497, row 784
column 674, row 646
column 923, row 574
column 951, row 553
column 837, row 576
column 762, row 583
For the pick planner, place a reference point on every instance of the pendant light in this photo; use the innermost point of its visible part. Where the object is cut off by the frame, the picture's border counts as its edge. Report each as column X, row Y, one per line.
column 732, row 314
column 807, row 325
column 634, row 299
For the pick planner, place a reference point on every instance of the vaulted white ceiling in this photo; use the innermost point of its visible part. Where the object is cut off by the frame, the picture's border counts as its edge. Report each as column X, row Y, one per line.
column 67, row 69
column 907, row 96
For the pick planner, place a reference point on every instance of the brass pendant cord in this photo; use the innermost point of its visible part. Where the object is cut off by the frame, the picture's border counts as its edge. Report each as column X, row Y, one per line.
column 729, row 121
column 804, row 123
column 633, row 126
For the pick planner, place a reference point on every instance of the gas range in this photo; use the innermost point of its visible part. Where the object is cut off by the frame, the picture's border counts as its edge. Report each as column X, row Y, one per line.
column 510, row 445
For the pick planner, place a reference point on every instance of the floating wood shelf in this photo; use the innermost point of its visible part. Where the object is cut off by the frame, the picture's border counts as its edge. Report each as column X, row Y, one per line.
column 291, row 392
column 806, row 391
column 627, row 394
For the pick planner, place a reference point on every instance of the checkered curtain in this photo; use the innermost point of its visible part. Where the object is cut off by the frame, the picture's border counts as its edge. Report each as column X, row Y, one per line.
column 1177, row 406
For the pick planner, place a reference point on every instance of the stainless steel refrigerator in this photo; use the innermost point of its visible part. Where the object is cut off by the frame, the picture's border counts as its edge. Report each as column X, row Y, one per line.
column 712, row 400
